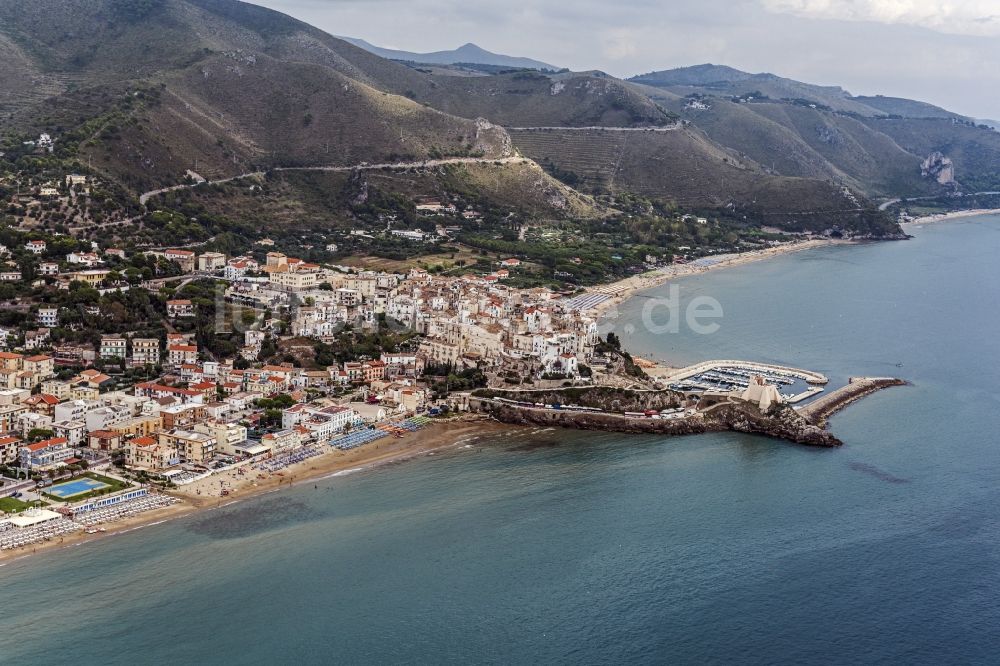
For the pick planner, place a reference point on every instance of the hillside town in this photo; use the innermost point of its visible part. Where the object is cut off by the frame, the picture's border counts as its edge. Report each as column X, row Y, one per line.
column 98, row 424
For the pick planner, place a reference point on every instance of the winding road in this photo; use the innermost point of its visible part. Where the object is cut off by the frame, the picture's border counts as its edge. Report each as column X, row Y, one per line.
column 886, row 205
column 364, row 166
column 598, row 128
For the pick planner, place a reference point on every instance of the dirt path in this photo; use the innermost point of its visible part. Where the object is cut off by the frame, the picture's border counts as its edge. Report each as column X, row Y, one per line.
column 364, row 166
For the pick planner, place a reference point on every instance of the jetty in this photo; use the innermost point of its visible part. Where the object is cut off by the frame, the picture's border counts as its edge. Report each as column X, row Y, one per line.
column 819, row 411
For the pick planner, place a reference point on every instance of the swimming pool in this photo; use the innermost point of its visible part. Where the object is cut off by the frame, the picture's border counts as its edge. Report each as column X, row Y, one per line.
column 76, row 487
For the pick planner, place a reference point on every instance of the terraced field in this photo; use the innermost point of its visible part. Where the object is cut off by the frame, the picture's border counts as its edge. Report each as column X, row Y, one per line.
column 664, row 164
column 594, row 156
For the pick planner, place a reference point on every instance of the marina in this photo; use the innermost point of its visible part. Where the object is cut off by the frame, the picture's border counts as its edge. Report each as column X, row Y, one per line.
column 794, row 385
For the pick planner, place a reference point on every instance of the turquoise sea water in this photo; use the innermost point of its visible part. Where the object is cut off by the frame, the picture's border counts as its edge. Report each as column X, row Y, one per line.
column 565, row 547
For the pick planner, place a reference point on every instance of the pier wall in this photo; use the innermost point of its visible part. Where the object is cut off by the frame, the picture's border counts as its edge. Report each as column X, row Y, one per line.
column 819, row 412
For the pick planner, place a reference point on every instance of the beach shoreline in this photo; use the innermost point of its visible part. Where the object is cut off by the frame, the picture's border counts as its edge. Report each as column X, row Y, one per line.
column 953, row 215
column 206, row 494
column 624, row 289
column 436, row 437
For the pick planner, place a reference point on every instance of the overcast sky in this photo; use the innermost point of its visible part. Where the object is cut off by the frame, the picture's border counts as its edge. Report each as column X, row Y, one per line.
column 942, row 51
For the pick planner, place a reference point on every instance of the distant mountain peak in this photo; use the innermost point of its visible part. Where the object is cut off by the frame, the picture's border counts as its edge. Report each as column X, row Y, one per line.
column 466, row 53
column 697, row 75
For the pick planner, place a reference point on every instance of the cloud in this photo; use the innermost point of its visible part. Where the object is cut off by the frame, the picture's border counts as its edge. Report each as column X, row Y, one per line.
column 618, row 44
column 961, row 17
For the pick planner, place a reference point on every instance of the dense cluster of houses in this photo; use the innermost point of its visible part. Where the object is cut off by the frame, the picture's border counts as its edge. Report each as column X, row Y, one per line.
column 200, row 410
column 467, row 321
column 199, row 418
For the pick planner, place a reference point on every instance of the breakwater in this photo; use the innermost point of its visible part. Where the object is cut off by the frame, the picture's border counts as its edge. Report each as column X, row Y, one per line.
column 819, row 412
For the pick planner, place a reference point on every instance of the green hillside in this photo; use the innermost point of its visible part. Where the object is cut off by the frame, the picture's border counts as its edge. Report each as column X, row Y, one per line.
column 975, row 151
column 143, row 92
column 532, row 99
column 907, row 108
column 729, row 82
column 874, row 145
column 685, row 167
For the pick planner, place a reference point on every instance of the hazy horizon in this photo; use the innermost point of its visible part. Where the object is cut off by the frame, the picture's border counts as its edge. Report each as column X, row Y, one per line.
column 948, row 56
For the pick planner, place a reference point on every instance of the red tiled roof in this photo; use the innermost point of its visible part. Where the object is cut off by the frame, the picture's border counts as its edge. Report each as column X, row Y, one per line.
column 44, row 444
column 152, row 386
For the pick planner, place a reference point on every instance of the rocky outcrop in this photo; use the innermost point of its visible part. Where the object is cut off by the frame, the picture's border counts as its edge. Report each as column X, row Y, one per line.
column 781, row 422
column 938, row 167
column 492, row 139
column 715, row 413
column 607, row 398
column 591, row 421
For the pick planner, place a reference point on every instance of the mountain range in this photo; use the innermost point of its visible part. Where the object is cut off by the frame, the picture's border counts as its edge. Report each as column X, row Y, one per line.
column 145, row 90
column 468, row 53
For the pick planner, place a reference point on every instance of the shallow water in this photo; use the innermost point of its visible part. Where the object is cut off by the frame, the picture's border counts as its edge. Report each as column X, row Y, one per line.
column 600, row 548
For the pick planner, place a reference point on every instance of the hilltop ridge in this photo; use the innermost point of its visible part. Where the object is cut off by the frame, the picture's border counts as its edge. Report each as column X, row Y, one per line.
column 467, row 53
column 145, row 92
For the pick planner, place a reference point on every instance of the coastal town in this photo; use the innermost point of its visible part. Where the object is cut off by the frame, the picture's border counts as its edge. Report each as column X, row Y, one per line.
column 137, row 382
column 99, row 429
column 391, row 332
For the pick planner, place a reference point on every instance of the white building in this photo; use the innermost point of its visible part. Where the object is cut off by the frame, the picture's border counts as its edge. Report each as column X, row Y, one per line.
column 88, row 259
column 145, row 351
column 211, row 261
column 181, row 307
column 73, row 431
column 103, row 418
column 322, row 422
column 48, row 317
column 113, row 346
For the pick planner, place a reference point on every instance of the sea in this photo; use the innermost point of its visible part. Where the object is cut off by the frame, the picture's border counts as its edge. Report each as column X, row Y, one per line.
column 557, row 547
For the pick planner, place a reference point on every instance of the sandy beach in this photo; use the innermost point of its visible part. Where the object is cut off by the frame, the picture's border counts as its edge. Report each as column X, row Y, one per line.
column 622, row 290
column 205, row 495
column 954, row 215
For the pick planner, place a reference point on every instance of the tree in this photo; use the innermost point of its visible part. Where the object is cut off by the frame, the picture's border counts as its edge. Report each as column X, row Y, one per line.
column 271, row 417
